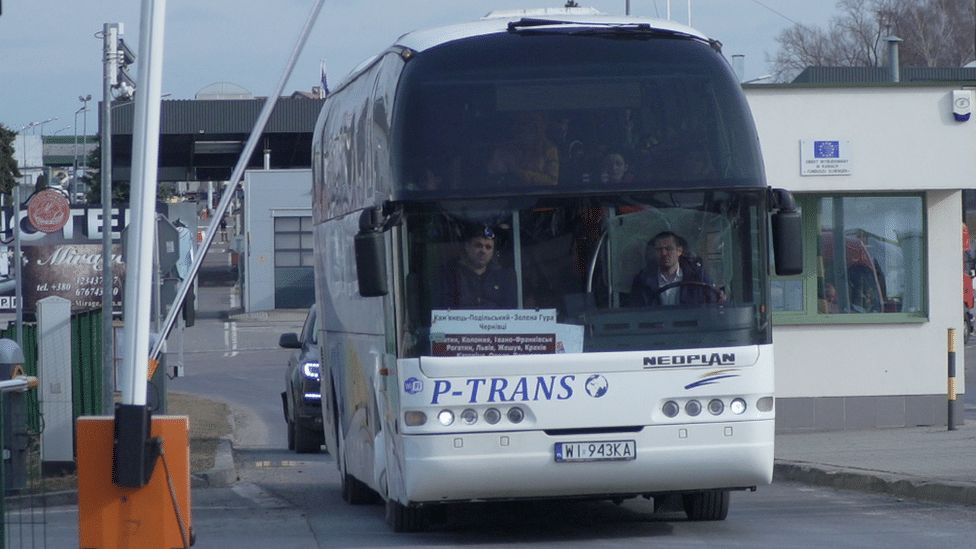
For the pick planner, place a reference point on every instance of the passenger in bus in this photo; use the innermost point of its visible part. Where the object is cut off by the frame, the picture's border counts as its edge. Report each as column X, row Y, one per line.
column 529, row 157
column 615, row 169
column 476, row 280
column 668, row 264
column 697, row 164
column 571, row 151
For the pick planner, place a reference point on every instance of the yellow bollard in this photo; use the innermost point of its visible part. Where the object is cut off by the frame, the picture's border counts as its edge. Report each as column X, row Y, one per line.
column 951, row 417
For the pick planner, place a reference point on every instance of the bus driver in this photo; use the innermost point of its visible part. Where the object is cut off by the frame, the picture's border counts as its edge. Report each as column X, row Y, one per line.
column 672, row 267
column 476, row 280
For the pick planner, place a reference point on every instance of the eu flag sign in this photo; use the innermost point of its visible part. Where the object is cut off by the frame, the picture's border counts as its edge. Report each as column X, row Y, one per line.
column 826, row 157
column 826, row 149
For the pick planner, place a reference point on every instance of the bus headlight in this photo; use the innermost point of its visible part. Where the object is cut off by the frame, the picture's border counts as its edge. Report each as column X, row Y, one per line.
column 515, row 414
column 693, row 408
column 670, row 409
column 738, row 406
column 716, row 406
column 414, row 418
column 765, row 404
column 469, row 417
column 445, row 417
column 493, row 416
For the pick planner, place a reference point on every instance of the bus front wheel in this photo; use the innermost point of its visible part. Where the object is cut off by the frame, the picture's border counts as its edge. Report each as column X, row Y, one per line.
column 405, row 518
column 356, row 492
column 708, row 505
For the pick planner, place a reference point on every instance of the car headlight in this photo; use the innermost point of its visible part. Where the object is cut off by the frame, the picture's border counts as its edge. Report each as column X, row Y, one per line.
column 311, row 370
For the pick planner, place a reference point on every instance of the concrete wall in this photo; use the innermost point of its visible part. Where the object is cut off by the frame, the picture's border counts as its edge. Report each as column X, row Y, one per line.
column 903, row 138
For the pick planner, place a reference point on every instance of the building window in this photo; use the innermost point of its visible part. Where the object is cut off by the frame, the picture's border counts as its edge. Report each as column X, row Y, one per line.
column 882, row 274
column 294, row 287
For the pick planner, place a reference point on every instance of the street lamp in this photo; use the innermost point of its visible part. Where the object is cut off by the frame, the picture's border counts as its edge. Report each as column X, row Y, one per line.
column 41, row 124
column 84, row 109
column 23, row 143
column 74, row 165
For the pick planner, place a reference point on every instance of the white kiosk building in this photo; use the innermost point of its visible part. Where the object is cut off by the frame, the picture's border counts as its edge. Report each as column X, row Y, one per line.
column 878, row 170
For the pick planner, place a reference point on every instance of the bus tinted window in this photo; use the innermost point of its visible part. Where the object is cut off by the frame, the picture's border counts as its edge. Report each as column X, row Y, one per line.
column 482, row 117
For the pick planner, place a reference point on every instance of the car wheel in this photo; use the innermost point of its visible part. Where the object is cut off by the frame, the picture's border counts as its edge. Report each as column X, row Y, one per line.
column 708, row 505
column 291, row 435
column 306, row 441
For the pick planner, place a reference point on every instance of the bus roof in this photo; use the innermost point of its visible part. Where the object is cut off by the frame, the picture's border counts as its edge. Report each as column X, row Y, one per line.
column 498, row 22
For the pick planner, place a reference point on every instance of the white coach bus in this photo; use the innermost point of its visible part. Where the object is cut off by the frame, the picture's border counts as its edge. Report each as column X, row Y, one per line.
column 498, row 209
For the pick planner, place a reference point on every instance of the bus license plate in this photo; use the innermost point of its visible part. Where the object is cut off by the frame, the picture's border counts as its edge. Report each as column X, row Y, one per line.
column 612, row 450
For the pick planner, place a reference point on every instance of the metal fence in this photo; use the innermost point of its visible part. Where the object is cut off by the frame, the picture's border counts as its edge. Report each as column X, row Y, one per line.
column 26, row 483
column 25, row 517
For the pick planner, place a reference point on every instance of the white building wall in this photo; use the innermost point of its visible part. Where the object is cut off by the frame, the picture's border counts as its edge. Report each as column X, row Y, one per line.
column 268, row 194
column 903, row 138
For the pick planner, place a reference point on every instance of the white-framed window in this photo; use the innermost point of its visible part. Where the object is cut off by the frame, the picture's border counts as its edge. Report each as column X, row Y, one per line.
column 881, row 277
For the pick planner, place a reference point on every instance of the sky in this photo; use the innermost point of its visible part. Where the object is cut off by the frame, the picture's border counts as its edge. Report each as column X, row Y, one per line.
column 51, row 50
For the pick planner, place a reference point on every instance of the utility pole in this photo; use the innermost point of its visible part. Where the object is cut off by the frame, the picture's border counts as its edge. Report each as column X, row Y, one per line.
column 110, row 38
column 84, row 135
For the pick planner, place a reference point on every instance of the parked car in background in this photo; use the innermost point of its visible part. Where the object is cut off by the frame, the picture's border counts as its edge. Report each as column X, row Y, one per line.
column 301, row 400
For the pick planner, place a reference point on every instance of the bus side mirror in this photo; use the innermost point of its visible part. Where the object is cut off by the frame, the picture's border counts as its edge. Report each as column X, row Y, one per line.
column 371, row 264
column 787, row 235
column 370, row 252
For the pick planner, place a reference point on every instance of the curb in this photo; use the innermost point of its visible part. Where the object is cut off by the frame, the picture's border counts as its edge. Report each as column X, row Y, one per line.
column 876, row 482
column 223, row 473
column 38, row 501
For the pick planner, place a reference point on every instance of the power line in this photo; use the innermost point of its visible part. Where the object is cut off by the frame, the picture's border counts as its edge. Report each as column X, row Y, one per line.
column 776, row 12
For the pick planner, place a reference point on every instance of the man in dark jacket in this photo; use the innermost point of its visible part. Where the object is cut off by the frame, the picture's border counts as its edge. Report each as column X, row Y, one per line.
column 671, row 266
column 475, row 280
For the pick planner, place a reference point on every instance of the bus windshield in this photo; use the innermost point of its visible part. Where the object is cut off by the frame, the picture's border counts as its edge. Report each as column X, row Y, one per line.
column 621, row 272
column 479, row 117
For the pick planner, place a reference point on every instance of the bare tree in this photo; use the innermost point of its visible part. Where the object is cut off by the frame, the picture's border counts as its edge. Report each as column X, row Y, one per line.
column 938, row 33
column 933, row 32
